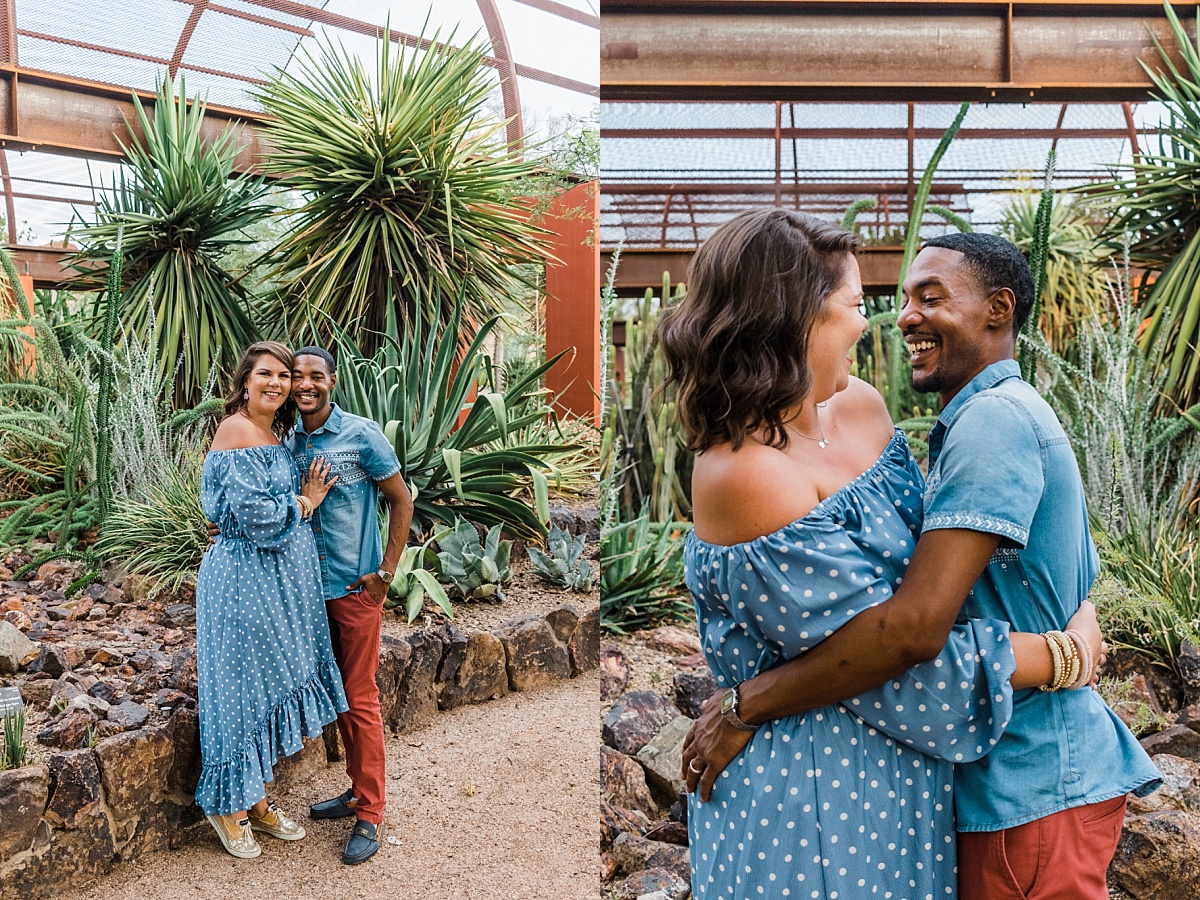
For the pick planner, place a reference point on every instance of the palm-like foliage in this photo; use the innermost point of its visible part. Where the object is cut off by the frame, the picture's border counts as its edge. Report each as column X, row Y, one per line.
column 1075, row 288
column 1158, row 206
column 181, row 212
column 418, row 393
column 403, row 178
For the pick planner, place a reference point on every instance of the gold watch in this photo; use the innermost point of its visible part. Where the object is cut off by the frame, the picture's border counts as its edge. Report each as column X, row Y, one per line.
column 729, row 711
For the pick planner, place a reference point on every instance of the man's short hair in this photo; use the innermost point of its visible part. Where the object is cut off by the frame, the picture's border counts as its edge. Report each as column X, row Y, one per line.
column 995, row 263
column 320, row 352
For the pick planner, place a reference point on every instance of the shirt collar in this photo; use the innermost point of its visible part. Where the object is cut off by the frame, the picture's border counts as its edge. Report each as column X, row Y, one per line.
column 990, row 377
column 332, row 424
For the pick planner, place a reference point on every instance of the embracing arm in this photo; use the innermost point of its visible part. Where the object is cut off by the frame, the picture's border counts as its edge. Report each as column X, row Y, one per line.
column 885, row 640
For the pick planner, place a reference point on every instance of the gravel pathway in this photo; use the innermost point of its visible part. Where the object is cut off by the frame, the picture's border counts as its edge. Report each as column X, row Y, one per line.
column 486, row 802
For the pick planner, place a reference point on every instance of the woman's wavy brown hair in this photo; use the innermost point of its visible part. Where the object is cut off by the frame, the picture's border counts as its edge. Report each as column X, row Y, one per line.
column 737, row 345
column 285, row 416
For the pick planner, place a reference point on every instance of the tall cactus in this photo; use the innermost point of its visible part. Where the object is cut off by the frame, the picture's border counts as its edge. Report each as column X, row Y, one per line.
column 104, row 473
column 911, row 242
column 1038, row 255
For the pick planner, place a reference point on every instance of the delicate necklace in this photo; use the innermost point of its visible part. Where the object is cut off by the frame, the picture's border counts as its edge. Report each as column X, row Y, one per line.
column 821, row 441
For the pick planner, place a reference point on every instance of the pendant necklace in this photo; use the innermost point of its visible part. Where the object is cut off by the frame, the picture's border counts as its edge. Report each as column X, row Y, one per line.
column 820, row 441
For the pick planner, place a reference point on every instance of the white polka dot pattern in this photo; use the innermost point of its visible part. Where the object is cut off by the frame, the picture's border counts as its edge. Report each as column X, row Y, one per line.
column 265, row 666
column 852, row 800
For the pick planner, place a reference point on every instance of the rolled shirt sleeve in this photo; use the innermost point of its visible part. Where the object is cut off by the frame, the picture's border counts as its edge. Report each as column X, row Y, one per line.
column 377, row 456
column 996, row 492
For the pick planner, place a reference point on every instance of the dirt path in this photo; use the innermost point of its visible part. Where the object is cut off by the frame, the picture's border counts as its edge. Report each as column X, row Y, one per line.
column 489, row 802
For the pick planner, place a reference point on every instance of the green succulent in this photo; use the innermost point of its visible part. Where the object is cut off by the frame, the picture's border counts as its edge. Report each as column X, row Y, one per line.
column 564, row 565
column 476, row 569
column 413, row 581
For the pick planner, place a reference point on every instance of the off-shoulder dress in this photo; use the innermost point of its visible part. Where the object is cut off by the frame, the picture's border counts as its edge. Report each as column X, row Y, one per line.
column 853, row 800
column 265, row 667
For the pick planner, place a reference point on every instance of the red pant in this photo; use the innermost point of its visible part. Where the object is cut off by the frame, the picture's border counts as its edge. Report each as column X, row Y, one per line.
column 355, row 621
column 1063, row 856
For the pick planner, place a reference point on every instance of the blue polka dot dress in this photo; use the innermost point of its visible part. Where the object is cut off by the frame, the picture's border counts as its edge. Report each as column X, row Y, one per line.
column 854, row 800
column 265, row 665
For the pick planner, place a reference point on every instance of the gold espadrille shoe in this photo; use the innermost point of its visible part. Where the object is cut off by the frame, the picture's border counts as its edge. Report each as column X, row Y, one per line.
column 276, row 824
column 238, row 839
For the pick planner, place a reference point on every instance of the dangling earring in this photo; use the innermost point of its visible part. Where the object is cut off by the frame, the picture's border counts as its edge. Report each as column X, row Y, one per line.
column 246, row 394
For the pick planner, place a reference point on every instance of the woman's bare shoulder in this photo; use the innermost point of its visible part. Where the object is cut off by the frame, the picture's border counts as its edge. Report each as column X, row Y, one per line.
column 236, row 432
column 739, row 495
column 865, row 409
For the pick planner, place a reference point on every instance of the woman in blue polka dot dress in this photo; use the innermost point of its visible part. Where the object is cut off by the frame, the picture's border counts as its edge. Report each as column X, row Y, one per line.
column 807, row 506
column 265, row 666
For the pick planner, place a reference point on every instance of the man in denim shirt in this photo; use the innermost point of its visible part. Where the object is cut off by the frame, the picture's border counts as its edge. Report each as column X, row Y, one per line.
column 1006, row 523
column 1042, row 811
column 355, row 573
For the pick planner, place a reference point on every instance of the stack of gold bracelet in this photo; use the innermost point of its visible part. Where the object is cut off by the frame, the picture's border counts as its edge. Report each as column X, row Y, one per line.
column 1072, row 660
column 306, row 507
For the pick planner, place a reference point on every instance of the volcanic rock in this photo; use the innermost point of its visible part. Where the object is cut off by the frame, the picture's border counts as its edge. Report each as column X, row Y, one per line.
column 635, row 719
column 623, row 782
column 15, row 648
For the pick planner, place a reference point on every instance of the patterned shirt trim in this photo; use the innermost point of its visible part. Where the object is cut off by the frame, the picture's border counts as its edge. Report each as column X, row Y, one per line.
column 1005, row 554
column 977, row 522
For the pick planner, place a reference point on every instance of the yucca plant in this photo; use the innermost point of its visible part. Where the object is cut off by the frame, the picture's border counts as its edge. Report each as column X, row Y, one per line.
column 1147, row 597
column 641, row 572
column 1138, row 464
column 160, row 529
column 417, row 392
column 1075, row 287
column 403, row 176
column 475, row 569
column 1157, row 205
column 182, row 210
column 562, row 563
column 51, row 407
column 413, row 581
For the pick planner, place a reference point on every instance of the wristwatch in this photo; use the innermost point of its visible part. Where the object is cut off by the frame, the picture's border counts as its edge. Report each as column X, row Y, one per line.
column 386, row 575
column 729, row 711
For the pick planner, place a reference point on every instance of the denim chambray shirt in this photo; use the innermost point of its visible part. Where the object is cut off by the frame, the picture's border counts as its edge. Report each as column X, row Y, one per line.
column 346, row 524
column 1000, row 463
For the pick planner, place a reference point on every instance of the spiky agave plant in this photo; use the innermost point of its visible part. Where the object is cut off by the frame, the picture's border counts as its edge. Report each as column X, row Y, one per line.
column 182, row 210
column 1157, row 205
column 403, row 177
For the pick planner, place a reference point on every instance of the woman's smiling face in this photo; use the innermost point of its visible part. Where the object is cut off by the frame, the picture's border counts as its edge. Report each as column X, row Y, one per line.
column 833, row 336
column 268, row 383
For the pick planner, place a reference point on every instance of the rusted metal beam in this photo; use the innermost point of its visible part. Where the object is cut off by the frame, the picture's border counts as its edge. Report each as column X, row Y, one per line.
column 57, row 114
column 720, row 189
column 863, row 133
column 43, row 264
column 899, row 51
column 509, row 89
column 641, row 269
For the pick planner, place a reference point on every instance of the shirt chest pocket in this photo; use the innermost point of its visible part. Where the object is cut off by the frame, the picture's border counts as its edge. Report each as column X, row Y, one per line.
column 347, row 466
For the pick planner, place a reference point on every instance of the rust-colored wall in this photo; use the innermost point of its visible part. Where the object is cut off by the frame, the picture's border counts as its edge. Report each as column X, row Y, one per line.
column 573, row 301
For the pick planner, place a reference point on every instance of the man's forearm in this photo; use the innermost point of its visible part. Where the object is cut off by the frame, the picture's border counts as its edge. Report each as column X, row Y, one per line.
column 856, row 658
column 400, row 516
column 881, row 641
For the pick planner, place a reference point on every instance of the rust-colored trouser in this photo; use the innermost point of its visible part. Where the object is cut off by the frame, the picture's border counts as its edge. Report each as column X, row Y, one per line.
column 1063, row 856
column 354, row 624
